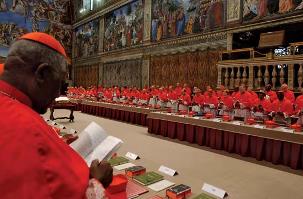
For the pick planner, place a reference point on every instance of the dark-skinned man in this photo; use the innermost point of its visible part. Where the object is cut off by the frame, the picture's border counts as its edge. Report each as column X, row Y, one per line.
column 35, row 162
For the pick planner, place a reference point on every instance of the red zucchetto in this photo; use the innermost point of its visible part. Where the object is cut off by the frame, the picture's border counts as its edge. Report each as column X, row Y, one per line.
column 46, row 40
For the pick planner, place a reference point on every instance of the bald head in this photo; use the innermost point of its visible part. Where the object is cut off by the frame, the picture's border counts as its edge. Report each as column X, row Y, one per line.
column 36, row 70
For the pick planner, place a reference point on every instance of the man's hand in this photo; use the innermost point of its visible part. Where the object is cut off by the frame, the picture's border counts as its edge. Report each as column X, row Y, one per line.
column 101, row 171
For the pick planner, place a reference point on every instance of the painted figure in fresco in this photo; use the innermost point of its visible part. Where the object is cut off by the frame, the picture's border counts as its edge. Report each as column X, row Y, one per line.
column 189, row 25
column 299, row 6
column 3, row 6
column 262, row 8
column 215, row 14
column 180, row 21
column 159, row 31
column 172, row 21
column 286, row 6
column 154, row 29
column 273, row 6
column 250, row 9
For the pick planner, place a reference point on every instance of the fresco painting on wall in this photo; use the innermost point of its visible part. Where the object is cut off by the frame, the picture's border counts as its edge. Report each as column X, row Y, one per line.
column 87, row 39
column 233, row 10
column 18, row 17
column 124, row 26
column 264, row 9
column 171, row 18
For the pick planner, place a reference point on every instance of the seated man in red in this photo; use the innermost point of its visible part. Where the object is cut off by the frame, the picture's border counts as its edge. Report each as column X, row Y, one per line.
column 282, row 105
column 288, row 93
column 226, row 100
column 261, row 103
column 198, row 100
column 211, row 99
column 184, row 101
column 243, row 97
column 299, row 103
column 220, row 91
column 36, row 163
column 271, row 95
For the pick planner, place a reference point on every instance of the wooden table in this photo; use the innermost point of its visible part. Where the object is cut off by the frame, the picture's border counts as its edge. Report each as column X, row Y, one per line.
column 126, row 113
column 66, row 105
column 277, row 145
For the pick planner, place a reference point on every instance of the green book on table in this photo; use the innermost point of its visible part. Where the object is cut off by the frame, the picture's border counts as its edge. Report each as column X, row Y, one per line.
column 118, row 161
column 148, row 178
column 204, row 196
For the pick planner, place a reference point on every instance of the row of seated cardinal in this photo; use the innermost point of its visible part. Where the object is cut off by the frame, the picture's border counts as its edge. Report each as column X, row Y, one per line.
column 266, row 100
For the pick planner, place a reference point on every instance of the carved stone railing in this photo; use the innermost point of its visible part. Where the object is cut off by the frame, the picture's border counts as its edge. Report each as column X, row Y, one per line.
column 257, row 72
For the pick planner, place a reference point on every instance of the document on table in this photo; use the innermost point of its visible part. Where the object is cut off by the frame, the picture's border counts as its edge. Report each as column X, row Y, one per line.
column 159, row 186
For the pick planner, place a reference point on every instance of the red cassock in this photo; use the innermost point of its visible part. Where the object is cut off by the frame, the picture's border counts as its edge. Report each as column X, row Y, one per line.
column 244, row 98
column 299, row 103
column 265, row 103
column 173, row 95
column 227, row 101
column 272, row 95
column 178, row 90
column 211, row 100
column 188, row 90
column 144, row 96
column 285, row 106
column 219, row 94
column 290, row 96
column 35, row 162
column 185, row 99
column 206, row 93
column 198, row 99
column 163, row 96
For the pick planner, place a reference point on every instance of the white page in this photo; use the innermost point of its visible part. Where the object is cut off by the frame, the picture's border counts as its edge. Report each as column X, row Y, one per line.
column 104, row 150
column 89, row 139
column 58, row 99
column 161, row 185
column 124, row 166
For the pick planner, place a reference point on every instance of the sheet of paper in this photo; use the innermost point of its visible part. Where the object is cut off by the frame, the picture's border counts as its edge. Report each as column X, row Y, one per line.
column 161, row 185
column 58, row 99
column 105, row 149
column 283, row 129
column 236, row 122
column 124, row 166
column 216, row 120
column 259, row 126
column 89, row 139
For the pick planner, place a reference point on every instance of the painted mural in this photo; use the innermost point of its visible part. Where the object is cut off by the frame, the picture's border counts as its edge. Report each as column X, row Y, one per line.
column 87, row 39
column 124, row 26
column 18, row 17
column 171, row 18
column 264, row 9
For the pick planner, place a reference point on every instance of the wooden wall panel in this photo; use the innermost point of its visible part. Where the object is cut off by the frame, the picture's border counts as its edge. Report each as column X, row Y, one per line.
column 195, row 68
column 87, row 75
column 123, row 73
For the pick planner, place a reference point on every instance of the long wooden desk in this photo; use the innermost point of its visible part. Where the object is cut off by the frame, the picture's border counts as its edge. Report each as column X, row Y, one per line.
column 126, row 113
column 277, row 145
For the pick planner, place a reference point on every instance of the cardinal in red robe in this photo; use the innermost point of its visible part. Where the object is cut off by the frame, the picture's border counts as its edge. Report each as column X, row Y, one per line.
column 35, row 162
column 282, row 104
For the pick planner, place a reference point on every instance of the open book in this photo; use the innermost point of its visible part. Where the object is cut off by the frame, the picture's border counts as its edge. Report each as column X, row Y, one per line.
column 94, row 143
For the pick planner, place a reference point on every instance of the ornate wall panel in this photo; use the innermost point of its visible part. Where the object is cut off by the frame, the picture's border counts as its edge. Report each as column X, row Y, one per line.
column 87, row 39
column 86, row 75
column 177, row 18
column 196, row 68
column 124, row 26
column 261, row 10
column 20, row 17
column 123, row 73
